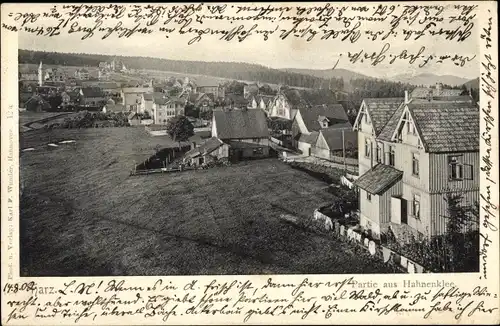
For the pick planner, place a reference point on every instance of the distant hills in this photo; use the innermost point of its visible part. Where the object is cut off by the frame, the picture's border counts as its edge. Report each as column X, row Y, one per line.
column 423, row 79
column 474, row 83
column 347, row 75
column 428, row 79
column 231, row 70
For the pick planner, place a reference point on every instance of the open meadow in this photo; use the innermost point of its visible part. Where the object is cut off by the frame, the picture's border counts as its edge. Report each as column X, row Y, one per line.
column 83, row 214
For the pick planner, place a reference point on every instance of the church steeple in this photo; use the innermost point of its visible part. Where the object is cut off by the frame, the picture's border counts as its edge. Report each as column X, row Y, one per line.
column 40, row 74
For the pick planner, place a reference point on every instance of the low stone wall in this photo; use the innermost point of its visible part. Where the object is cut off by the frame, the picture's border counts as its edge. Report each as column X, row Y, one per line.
column 355, row 236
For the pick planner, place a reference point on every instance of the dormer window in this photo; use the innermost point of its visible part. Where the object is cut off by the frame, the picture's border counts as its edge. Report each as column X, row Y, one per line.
column 323, row 121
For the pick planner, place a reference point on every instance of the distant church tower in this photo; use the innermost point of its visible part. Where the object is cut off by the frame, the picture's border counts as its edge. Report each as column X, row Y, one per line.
column 40, row 74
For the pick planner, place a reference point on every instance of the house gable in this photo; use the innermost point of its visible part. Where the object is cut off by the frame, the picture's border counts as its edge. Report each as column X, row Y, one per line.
column 281, row 107
column 300, row 123
column 321, row 142
column 363, row 122
column 406, row 126
column 262, row 104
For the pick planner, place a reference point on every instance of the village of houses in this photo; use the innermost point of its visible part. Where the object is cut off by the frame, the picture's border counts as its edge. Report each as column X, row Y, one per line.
column 398, row 156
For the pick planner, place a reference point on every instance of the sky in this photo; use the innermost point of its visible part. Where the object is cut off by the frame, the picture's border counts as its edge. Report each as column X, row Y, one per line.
column 289, row 53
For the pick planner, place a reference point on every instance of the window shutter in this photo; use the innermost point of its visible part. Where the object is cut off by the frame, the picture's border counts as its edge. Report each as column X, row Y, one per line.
column 468, row 172
column 460, row 168
column 450, row 167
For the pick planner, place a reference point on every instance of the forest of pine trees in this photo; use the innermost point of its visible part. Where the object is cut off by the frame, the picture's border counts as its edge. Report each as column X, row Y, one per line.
column 232, row 70
column 366, row 88
column 360, row 88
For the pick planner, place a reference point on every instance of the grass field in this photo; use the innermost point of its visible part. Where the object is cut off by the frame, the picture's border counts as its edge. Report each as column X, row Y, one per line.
column 82, row 214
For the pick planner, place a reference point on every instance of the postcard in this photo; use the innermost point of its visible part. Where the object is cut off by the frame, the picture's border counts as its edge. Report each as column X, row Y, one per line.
column 250, row 163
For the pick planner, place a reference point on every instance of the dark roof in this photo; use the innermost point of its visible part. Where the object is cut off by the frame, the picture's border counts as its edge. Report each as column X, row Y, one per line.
column 253, row 86
column 346, row 125
column 208, row 85
column 176, row 100
column 236, row 100
column 241, row 124
column 211, row 96
column 381, row 110
column 460, row 98
column 310, row 139
column 204, row 133
column 334, row 113
column 25, row 96
column 195, row 97
column 205, row 148
column 378, row 179
column 92, row 92
column 101, row 84
column 160, row 98
column 391, row 125
column 424, row 92
column 333, row 137
column 73, row 94
column 447, row 126
column 39, row 100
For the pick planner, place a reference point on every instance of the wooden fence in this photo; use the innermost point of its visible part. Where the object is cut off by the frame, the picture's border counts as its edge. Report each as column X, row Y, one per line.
column 332, row 157
column 162, row 170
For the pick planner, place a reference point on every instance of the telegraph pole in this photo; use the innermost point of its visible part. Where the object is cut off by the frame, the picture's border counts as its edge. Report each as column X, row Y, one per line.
column 343, row 151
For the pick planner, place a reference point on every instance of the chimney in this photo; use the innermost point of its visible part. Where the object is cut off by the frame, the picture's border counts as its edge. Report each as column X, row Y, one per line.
column 439, row 87
column 193, row 145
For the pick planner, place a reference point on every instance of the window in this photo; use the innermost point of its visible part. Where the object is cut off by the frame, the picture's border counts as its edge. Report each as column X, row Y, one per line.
column 455, row 168
column 415, row 164
column 368, row 196
column 392, row 155
column 368, row 145
column 409, row 126
column 415, row 209
column 256, row 140
column 379, row 153
column 258, row 151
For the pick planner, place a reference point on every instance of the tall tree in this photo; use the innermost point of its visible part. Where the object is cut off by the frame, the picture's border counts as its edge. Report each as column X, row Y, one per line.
column 206, row 115
column 458, row 218
column 180, row 128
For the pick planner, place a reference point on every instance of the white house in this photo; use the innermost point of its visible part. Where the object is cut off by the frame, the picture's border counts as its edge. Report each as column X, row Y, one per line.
column 412, row 154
